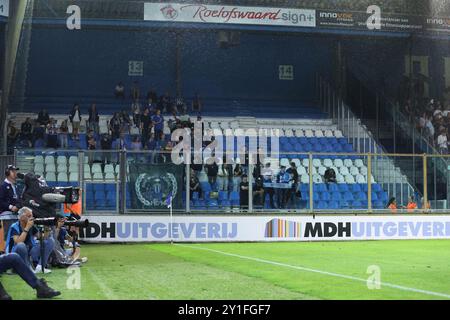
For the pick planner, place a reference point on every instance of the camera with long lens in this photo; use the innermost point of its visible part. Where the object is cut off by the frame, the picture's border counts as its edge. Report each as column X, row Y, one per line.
column 50, row 222
column 43, row 199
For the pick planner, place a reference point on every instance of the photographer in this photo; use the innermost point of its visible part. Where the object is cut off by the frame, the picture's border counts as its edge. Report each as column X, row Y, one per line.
column 15, row 262
column 71, row 256
column 21, row 240
column 9, row 200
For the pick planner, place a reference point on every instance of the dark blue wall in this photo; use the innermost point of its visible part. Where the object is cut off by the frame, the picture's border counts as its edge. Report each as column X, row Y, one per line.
column 2, row 51
column 89, row 63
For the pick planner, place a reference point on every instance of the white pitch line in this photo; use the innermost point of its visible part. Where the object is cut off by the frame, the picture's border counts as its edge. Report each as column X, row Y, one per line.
column 103, row 287
column 332, row 274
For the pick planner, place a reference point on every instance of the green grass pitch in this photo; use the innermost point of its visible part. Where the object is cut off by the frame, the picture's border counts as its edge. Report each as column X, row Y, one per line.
column 416, row 269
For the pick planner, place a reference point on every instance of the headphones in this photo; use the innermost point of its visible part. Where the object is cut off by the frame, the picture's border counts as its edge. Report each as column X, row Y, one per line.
column 9, row 169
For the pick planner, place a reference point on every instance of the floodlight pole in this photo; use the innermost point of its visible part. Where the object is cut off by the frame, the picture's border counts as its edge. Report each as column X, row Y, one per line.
column 171, row 221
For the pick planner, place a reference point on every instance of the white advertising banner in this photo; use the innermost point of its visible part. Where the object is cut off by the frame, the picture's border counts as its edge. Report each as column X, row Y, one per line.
column 204, row 13
column 125, row 228
column 4, row 8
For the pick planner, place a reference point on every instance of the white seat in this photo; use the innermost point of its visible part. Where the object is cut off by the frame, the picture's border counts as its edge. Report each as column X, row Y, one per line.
column 316, row 163
column 309, row 133
column 301, row 170
column 61, row 160
column 109, row 168
column 338, row 134
column 217, row 132
column 348, row 163
column 328, row 163
column 62, row 177
column 314, row 170
column 38, row 159
column 50, row 176
column 61, row 167
column 289, row 133
column 87, row 176
column 360, row 179
column 284, row 162
column 304, row 178
column 224, row 125
column 305, row 163
column 96, row 168
column 50, row 168
column 299, row 133
column 349, row 179
column 329, row 134
column 344, row 171
column 354, row 171
column 49, row 160
column 110, row 176
column 318, row 133
column 338, row 163
column 38, row 167
column 73, row 160
column 363, row 171
column 73, row 167
column 340, row 178
column 73, row 176
column 322, row 170
column 97, row 176
column 297, row 162
column 317, row 178
column 359, row 163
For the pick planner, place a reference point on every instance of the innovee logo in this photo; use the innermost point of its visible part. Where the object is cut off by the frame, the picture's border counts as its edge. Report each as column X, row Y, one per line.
column 169, row 12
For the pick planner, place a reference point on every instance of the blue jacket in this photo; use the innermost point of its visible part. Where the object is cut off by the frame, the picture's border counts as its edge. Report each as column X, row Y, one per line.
column 7, row 197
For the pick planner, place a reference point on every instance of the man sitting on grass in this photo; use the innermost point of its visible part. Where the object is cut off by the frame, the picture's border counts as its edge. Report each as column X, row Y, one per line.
column 15, row 262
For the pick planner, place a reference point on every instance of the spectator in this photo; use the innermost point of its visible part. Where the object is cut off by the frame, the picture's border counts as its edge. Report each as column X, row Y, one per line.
column 151, row 106
column 146, row 126
column 75, row 119
column 282, row 177
column 114, row 126
column 412, row 205
column 258, row 191
column 43, row 117
column 237, row 174
column 429, row 130
column 136, row 110
column 330, row 176
column 197, row 104
column 135, row 91
column 121, row 143
column 222, row 177
column 26, row 129
column 125, row 122
column 158, row 122
column 291, row 193
column 94, row 119
column 212, row 170
column 194, row 185
column 11, row 137
column 136, row 145
column 15, row 262
column 442, row 141
column 392, row 205
column 180, row 106
column 243, row 192
column 52, row 134
column 9, row 199
column 91, row 145
column 63, row 135
column 151, row 94
column 119, row 91
column 106, row 145
column 165, row 102
column 21, row 240
column 267, row 174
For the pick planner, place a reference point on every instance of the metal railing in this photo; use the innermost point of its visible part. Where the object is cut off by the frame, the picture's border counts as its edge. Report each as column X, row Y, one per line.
column 123, row 182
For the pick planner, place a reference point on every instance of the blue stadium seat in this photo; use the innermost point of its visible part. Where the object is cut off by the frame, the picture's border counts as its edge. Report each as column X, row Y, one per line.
column 223, row 195
column 320, row 205
column 356, row 188
column 336, row 196
column 342, row 187
column 332, row 187
column 357, row 205
column 325, row 196
column 333, row 205
column 348, row 196
column 361, row 196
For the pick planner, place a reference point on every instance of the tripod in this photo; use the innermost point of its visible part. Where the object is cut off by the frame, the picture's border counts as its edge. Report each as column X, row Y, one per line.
column 41, row 230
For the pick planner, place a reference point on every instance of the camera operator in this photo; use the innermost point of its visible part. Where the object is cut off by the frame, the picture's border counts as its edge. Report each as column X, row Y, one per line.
column 70, row 234
column 9, row 200
column 15, row 262
column 35, row 188
column 21, row 240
